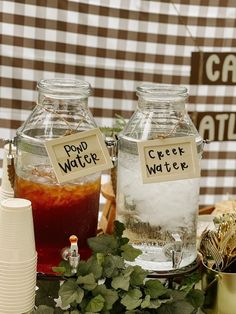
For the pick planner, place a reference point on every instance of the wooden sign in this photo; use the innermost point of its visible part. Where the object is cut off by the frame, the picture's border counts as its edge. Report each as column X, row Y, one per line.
column 213, row 68
column 78, row 155
column 169, row 159
column 215, row 126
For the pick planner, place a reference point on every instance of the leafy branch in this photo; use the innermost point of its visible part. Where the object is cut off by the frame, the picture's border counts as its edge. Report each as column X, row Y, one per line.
column 120, row 123
column 105, row 284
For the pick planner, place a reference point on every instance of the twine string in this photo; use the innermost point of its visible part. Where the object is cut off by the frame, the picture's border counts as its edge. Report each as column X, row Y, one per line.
column 172, row 131
column 70, row 130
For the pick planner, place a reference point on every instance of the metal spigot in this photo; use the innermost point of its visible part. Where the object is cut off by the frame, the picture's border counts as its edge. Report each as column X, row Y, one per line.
column 10, row 156
column 10, row 160
column 174, row 250
column 177, row 250
column 111, row 144
column 71, row 254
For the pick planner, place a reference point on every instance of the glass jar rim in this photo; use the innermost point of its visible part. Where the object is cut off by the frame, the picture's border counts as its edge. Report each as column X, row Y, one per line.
column 162, row 91
column 65, row 86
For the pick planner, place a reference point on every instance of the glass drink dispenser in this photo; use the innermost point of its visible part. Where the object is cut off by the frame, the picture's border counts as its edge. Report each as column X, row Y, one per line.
column 59, row 209
column 160, row 217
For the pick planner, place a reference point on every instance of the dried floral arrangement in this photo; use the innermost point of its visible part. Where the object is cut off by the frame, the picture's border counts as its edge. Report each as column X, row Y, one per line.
column 218, row 246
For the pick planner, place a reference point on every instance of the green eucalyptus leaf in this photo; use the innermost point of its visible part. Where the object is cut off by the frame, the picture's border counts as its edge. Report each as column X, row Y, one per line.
column 154, row 304
column 92, row 265
column 100, row 258
column 196, row 298
column 130, row 253
column 110, row 296
column 64, row 268
column 188, row 283
column 110, row 131
column 58, row 310
column 137, row 276
column 83, row 268
column 122, row 281
column 177, row 295
column 88, row 281
column 96, row 304
column 146, row 302
column 70, row 292
column 154, row 288
column 44, row 309
column 46, row 293
column 178, row 307
column 59, row 270
column 119, row 228
column 132, row 299
column 112, row 263
column 123, row 241
column 103, row 243
column 120, row 122
column 84, row 303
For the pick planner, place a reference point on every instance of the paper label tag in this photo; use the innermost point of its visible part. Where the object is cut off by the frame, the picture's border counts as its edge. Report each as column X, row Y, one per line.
column 169, row 159
column 78, row 155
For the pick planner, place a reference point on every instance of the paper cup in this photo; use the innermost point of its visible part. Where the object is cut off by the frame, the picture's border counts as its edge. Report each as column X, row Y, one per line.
column 19, row 290
column 12, row 264
column 11, row 280
column 29, row 303
column 18, row 273
column 21, row 298
column 16, row 254
column 12, row 302
column 16, row 204
column 15, row 271
column 21, row 293
column 18, row 270
column 18, row 257
column 28, row 308
column 16, row 230
column 5, row 195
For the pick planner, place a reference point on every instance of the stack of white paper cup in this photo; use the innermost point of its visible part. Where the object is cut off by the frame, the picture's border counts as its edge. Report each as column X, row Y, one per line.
column 18, row 257
column 6, row 190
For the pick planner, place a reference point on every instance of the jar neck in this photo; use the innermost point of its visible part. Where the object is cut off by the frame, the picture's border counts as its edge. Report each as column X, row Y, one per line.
column 63, row 93
column 62, row 103
column 157, row 105
column 161, row 97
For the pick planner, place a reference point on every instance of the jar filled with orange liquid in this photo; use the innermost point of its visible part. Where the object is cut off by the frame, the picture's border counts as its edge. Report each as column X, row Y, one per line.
column 59, row 209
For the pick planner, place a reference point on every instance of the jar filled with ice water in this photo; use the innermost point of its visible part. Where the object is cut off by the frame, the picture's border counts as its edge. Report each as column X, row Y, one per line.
column 160, row 217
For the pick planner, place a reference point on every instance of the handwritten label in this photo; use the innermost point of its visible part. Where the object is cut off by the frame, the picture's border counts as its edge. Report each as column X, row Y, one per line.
column 78, row 155
column 169, row 159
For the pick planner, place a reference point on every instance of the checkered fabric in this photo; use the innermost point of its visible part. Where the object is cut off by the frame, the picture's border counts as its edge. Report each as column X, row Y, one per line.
column 115, row 45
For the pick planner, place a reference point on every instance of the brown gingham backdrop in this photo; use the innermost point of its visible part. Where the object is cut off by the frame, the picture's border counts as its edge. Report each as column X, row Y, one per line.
column 114, row 45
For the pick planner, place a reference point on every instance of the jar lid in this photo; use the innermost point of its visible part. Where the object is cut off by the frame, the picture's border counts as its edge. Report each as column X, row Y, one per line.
column 161, row 91
column 64, row 86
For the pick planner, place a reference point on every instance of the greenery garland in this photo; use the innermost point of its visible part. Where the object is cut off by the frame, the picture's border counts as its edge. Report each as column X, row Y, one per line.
column 106, row 284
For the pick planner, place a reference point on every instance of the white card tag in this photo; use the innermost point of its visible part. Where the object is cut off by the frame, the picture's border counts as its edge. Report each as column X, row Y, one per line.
column 78, row 155
column 169, row 159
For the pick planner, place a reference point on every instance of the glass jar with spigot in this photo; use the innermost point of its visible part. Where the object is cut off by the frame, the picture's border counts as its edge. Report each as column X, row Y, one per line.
column 160, row 211
column 59, row 209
